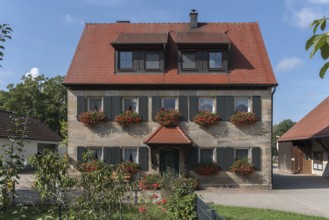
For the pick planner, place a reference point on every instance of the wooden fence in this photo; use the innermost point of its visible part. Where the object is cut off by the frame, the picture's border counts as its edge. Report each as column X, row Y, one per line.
column 204, row 212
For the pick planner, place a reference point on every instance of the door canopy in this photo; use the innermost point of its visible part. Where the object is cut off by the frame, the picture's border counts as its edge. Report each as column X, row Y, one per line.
column 171, row 135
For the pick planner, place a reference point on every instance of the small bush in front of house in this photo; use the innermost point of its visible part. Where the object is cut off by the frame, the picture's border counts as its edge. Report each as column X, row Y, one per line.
column 130, row 167
column 242, row 167
column 205, row 118
column 127, row 118
column 206, row 169
column 244, row 118
column 91, row 119
column 150, row 182
column 168, row 117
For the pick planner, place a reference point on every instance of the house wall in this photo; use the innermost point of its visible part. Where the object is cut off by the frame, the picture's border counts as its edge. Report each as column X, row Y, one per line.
column 316, row 147
column 285, row 157
column 224, row 134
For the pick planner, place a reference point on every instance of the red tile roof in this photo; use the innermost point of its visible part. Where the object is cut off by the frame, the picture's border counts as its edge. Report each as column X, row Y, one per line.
column 314, row 125
column 201, row 38
column 164, row 135
column 94, row 63
column 144, row 38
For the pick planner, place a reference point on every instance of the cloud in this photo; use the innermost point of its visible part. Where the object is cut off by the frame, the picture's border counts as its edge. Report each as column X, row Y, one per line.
column 34, row 72
column 289, row 63
column 70, row 19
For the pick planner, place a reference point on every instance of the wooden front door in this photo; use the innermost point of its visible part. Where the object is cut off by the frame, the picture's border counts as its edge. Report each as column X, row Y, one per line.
column 169, row 158
column 300, row 160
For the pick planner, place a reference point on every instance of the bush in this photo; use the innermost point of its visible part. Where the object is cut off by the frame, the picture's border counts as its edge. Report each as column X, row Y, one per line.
column 168, row 117
column 206, row 169
column 127, row 118
column 244, row 118
column 130, row 167
column 149, row 182
column 242, row 167
column 205, row 118
column 91, row 119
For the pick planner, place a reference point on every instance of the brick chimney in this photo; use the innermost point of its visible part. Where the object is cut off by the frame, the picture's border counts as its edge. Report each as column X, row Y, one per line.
column 193, row 18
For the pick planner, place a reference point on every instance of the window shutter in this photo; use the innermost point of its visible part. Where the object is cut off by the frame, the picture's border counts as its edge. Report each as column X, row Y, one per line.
column 116, row 155
column 193, row 157
column 80, row 151
column 116, row 106
column 143, row 107
column 183, row 107
column 194, row 106
column 155, row 106
column 229, row 107
column 220, row 100
column 257, row 106
column 221, row 157
column 229, row 157
column 107, row 155
column 143, row 158
column 81, row 104
column 256, row 157
column 107, row 107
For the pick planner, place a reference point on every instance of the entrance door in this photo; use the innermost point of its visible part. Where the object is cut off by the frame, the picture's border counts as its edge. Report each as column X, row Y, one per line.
column 302, row 162
column 169, row 158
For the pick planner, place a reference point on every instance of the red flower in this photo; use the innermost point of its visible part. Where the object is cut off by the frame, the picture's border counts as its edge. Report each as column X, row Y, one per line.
column 155, row 186
column 127, row 118
column 168, row 117
column 142, row 209
column 163, row 201
column 154, row 196
column 205, row 118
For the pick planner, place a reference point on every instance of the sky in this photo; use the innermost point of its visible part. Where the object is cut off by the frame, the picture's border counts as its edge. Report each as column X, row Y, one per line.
column 47, row 32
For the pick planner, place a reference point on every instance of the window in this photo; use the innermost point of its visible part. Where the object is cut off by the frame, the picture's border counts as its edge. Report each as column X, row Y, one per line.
column 95, row 104
column 152, row 61
column 206, row 155
column 242, row 153
column 130, row 154
column 215, row 60
column 98, row 153
column 126, row 60
column 242, row 104
column 188, row 60
column 207, row 104
column 130, row 104
column 317, row 161
column 169, row 103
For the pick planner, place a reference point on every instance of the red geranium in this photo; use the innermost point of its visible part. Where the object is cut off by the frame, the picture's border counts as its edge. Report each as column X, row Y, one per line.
column 91, row 119
column 127, row 118
column 244, row 118
column 168, row 117
column 205, row 118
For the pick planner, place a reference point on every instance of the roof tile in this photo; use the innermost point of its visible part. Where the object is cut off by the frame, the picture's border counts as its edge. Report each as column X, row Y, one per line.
column 172, row 135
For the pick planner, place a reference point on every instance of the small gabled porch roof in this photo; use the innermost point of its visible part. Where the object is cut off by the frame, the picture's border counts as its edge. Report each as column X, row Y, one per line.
column 171, row 135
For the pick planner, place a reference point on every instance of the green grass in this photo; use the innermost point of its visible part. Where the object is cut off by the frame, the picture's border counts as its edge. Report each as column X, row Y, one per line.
column 242, row 213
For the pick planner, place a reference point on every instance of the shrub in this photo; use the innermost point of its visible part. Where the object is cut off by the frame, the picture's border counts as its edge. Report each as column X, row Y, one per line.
column 91, row 119
column 127, row 118
column 244, row 118
column 205, row 118
column 168, row 117
column 206, row 169
column 150, row 181
column 130, row 167
column 242, row 167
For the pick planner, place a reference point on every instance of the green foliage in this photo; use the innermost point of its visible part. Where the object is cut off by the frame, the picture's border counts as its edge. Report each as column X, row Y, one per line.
column 127, row 118
column 150, row 181
column 244, row 118
column 181, row 207
column 278, row 131
column 45, row 97
column 206, row 169
column 319, row 42
column 5, row 31
column 91, row 119
column 205, row 118
column 242, row 167
column 64, row 132
column 168, row 117
column 130, row 167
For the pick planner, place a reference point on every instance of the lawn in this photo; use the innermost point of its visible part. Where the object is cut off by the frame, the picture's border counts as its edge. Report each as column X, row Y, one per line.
column 241, row 213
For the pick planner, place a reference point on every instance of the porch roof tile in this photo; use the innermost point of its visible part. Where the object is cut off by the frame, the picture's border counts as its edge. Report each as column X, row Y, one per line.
column 172, row 135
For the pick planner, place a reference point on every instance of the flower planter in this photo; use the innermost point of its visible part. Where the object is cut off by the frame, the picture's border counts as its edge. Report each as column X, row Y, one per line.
column 243, row 167
column 91, row 119
column 206, row 169
column 244, row 118
column 168, row 117
column 205, row 118
column 127, row 118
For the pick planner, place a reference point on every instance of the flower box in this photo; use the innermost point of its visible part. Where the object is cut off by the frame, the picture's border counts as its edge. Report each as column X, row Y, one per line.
column 244, row 118
column 206, row 169
column 91, row 119
column 205, row 118
column 242, row 167
column 168, row 117
column 127, row 118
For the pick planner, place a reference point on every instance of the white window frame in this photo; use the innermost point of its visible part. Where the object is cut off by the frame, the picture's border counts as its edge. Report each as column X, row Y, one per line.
column 123, row 103
column 242, row 97
column 213, row 103
column 208, row 148
column 176, row 101
column 243, row 148
column 130, row 148
column 96, row 97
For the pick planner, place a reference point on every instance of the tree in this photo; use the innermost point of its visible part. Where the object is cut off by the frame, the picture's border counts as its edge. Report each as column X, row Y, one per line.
column 319, row 42
column 44, row 97
column 5, row 32
column 279, row 130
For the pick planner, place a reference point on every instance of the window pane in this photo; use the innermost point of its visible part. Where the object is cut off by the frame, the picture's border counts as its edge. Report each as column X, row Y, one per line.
column 215, row 60
column 206, row 156
column 188, row 61
column 95, row 105
column 130, row 155
column 206, row 104
column 242, row 105
column 126, row 60
column 130, row 104
column 241, row 153
column 152, row 61
column 98, row 153
column 169, row 103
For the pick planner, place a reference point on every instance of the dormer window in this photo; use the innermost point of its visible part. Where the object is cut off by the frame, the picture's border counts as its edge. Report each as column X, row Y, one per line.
column 152, row 60
column 188, row 60
column 125, row 60
column 215, row 60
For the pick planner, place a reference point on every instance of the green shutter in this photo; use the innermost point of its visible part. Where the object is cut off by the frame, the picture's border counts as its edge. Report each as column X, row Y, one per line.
column 155, row 106
column 221, row 157
column 229, row 107
column 107, row 106
column 256, row 157
column 143, row 107
column 257, row 106
column 80, row 151
column 193, row 157
column 194, row 106
column 220, row 100
column 143, row 158
column 116, row 155
column 81, row 104
column 183, row 107
column 116, row 106
column 107, row 155
column 229, row 158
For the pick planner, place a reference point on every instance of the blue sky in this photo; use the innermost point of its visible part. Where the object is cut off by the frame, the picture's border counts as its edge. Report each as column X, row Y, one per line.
column 46, row 34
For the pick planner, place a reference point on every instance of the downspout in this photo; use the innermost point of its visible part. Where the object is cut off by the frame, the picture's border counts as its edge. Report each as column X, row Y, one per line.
column 272, row 94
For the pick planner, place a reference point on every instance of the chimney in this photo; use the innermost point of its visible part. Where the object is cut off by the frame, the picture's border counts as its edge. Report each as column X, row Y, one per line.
column 123, row 21
column 193, row 19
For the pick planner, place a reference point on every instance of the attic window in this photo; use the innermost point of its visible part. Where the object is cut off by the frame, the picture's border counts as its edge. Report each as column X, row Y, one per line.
column 215, row 60
column 188, row 60
column 126, row 60
column 152, row 61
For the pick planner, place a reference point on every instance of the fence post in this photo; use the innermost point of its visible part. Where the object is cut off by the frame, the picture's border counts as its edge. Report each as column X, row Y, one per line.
column 213, row 214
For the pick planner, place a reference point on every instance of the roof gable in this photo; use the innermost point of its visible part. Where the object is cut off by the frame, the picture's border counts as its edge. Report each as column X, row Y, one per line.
column 171, row 135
